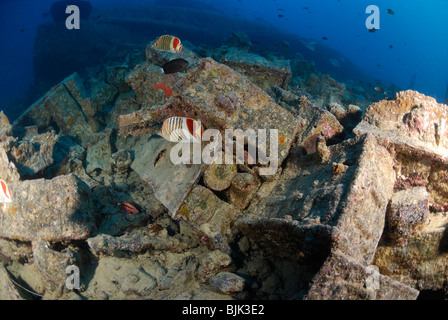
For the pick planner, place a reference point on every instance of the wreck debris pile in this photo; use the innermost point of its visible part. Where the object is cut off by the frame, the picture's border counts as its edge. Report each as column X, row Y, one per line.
column 357, row 195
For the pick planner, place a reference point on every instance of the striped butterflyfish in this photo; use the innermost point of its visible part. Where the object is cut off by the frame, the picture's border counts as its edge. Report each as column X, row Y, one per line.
column 178, row 129
column 168, row 43
column 5, row 193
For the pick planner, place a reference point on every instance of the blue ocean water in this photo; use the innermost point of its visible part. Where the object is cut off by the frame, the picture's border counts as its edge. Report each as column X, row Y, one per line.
column 410, row 48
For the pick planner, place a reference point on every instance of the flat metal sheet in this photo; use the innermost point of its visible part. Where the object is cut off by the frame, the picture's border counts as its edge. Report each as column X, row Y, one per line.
column 171, row 182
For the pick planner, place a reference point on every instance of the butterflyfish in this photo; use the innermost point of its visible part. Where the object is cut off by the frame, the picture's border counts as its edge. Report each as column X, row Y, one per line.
column 176, row 129
column 5, row 193
column 168, row 43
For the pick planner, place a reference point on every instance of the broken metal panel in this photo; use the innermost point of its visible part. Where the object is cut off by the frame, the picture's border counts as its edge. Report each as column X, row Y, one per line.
column 171, row 182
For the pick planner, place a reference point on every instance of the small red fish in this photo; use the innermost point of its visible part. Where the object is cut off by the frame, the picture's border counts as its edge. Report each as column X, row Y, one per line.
column 129, row 208
column 162, row 86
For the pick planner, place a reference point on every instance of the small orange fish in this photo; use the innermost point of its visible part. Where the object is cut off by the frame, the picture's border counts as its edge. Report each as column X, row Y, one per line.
column 339, row 168
column 281, row 140
column 128, row 208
